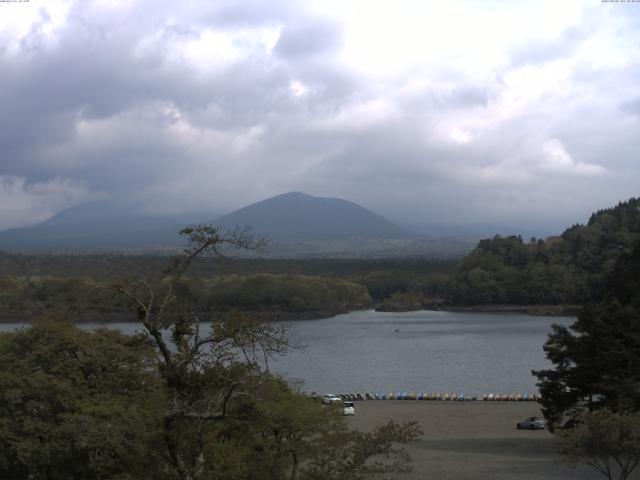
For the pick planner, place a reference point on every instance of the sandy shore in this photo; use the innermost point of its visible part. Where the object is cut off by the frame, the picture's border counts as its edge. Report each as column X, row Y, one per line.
column 473, row 440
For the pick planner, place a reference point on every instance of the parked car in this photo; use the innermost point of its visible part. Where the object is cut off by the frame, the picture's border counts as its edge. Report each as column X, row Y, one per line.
column 330, row 398
column 349, row 409
column 532, row 423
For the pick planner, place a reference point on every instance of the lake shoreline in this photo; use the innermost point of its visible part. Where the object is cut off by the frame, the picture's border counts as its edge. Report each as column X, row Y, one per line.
column 115, row 317
column 533, row 310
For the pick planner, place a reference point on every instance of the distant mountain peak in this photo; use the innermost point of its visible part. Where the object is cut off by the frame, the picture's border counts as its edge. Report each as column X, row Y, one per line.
column 292, row 195
column 297, row 215
column 296, row 196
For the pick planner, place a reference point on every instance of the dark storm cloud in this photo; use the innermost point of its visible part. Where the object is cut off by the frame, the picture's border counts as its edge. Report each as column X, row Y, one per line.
column 88, row 76
column 88, row 79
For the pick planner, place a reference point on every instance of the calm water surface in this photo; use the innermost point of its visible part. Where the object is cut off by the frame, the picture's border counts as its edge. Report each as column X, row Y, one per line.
column 367, row 351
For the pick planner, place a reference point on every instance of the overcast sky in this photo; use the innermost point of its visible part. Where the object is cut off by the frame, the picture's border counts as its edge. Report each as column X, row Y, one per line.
column 453, row 111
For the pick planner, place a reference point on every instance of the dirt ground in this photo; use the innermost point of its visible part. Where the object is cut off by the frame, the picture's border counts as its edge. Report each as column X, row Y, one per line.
column 472, row 440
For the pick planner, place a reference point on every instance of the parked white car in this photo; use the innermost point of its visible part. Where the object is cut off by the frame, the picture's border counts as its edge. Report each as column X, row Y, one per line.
column 532, row 423
column 330, row 398
column 349, row 409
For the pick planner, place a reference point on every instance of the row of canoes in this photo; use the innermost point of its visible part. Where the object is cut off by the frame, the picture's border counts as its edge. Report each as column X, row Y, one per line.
column 499, row 397
column 491, row 397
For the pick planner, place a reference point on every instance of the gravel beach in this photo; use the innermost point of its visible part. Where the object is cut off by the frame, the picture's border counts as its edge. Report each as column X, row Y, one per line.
column 472, row 440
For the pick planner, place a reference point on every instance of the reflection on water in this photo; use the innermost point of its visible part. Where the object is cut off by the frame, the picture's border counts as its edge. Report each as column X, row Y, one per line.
column 471, row 353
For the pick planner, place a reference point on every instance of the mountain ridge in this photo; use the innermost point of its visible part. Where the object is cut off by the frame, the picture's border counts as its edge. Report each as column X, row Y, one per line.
column 115, row 226
column 299, row 216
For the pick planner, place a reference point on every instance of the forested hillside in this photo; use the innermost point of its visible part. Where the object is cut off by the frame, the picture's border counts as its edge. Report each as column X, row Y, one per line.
column 569, row 269
column 597, row 357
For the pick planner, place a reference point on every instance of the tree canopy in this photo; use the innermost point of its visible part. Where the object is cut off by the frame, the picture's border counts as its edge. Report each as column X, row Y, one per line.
column 597, row 359
column 607, row 441
column 570, row 269
column 78, row 404
column 180, row 402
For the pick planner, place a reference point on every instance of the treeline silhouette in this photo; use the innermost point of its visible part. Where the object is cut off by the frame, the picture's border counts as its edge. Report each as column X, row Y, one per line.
column 569, row 269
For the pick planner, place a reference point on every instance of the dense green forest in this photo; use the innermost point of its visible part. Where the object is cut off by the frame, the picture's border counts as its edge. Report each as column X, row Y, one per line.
column 85, row 299
column 597, row 357
column 34, row 284
column 107, row 266
column 569, row 269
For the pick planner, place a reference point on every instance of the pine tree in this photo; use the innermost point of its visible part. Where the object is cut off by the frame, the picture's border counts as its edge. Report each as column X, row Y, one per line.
column 597, row 359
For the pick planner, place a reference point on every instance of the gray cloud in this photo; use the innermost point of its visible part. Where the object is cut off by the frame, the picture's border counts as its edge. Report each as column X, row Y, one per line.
column 220, row 104
column 311, row 39
column 545, row 51
column 631, row 106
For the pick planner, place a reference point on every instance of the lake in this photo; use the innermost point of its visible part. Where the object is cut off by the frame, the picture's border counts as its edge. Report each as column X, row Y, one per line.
column 455, row 352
